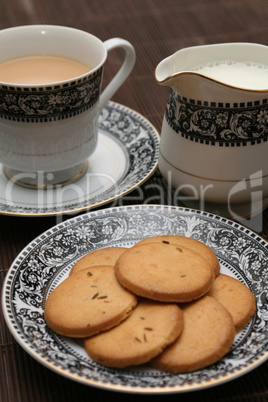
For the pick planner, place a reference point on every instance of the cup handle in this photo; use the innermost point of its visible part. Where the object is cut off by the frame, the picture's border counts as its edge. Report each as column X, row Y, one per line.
column 124, row 71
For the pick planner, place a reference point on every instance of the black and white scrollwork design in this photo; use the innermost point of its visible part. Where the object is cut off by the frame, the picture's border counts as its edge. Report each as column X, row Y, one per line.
column 44, row 104
column 240, row 124
column 48, row 260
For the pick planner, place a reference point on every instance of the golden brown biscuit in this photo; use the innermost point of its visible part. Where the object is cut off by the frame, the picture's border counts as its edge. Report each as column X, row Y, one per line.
column 236, row 298
column 88, row 302
column 207, row 335
column 102, row 256
column 193, row 244
column 150, row 328
column 164, row 272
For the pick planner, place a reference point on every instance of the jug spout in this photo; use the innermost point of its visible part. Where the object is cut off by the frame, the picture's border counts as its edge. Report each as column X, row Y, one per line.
column 170, row 73
column 173, row 73
column 165, row 71
column 185, row 83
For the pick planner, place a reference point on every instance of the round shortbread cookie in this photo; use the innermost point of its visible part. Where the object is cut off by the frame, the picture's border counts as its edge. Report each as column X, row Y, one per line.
column 102, row 256
column 236, row 298
column 88, row 302
column 193, row 244
column 207, row 335
column 164, row 272
column 151, row 327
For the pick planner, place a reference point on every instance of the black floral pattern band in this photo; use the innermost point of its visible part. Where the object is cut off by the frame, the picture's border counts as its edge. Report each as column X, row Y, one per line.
column 211, row 123
column 50, row 103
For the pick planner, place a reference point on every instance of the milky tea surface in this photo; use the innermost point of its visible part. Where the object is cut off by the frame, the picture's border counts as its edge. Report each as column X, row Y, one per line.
column 246, row 75
column 40, row 69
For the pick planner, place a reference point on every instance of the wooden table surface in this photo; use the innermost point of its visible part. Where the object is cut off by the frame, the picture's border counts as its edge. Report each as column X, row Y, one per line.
column 156, row 28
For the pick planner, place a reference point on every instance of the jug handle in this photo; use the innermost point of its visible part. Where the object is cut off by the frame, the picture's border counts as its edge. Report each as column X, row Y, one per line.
column 124, row 71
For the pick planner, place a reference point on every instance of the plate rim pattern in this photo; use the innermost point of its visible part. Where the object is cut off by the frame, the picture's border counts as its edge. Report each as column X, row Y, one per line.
column 123, row 224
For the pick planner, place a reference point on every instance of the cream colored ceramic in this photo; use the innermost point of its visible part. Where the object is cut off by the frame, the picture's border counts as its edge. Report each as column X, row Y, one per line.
column 49, row 131
column 214, row 135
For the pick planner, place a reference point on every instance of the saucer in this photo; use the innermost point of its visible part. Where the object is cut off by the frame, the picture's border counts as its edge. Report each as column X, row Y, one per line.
column 126, row 155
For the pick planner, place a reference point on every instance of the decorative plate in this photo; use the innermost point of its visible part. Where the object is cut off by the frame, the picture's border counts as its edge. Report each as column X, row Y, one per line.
column 125, row 157
column 47, row 260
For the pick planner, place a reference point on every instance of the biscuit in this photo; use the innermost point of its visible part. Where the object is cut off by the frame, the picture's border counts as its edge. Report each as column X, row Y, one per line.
column 88, row 302
column 150, row 328
column 207, row 335
column 102, row 256
column 164, row 272
column 193, row 244
column 236, row 298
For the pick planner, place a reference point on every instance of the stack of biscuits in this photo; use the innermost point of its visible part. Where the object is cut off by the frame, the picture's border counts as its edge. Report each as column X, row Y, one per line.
column 162, row 302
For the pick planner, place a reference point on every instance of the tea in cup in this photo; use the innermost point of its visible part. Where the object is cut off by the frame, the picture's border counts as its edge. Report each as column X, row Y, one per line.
column 51, row 98
column 41, row 69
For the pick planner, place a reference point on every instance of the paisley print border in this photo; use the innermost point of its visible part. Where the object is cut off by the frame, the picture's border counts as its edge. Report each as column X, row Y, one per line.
column 50, row 103
column 218, row 123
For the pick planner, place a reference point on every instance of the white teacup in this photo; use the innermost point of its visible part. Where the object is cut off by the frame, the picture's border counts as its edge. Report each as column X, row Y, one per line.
column 50, row 129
